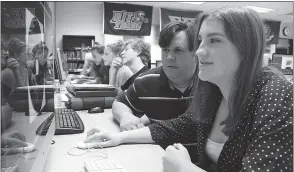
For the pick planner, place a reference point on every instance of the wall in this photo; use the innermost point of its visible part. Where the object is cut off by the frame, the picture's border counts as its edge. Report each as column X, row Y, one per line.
column 153, row 40
column 79, row 18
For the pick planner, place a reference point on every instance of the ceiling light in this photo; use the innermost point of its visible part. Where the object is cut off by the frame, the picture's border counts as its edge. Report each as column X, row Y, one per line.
column 193, row 2
column 260, row 10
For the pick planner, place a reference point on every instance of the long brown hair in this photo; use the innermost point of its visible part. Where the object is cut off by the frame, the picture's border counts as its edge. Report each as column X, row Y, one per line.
column 244, row 28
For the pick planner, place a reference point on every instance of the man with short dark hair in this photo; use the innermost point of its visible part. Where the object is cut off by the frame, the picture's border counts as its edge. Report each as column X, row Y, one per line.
column 161, row 93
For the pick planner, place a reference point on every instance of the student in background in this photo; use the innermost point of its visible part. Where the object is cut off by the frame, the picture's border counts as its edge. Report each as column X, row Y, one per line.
column 39, row 63
column 88, row 62
column 8, row 83
column 100, row 70
column 17, row 62
column 96, row 44
column 116, row 77
column 88, row 59
column 165, row 85
column 135, row 55
column 241, row 116
column 83, row 50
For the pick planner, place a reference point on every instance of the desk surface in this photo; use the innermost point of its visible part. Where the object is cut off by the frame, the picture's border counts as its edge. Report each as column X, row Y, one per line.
column 133, row 157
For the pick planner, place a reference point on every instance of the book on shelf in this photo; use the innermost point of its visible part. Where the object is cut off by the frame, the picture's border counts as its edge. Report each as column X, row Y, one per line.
column 75, row 55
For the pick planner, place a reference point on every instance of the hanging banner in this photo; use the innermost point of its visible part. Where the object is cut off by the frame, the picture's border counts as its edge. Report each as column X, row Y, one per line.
column 272, row 30
column 168, row 15
column 127, row 19
column 13, row 17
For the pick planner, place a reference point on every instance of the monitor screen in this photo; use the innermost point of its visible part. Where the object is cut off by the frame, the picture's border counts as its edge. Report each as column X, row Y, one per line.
column 60, row 66
column 284, row 63
column 27, row 98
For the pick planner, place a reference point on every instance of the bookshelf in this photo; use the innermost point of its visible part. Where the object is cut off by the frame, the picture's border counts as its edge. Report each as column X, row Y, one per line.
column 72, row 51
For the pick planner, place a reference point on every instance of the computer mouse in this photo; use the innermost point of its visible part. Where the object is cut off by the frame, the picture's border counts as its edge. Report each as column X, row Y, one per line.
column 94, row 143
column 96, row 110
column 88, row 145
column 30, row 148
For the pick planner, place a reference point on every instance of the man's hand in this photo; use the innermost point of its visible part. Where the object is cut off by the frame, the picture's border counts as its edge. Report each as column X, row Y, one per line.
column 177, row 159
column 12, row 63
column 13, row 139
column 117, row 63
column 131, row 123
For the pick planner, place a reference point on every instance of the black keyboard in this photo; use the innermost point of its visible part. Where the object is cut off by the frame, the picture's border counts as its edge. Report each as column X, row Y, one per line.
column 67, row 121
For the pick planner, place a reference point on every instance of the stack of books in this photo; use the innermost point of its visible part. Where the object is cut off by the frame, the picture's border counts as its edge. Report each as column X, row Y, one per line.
column 85, row 96
column 92, row 90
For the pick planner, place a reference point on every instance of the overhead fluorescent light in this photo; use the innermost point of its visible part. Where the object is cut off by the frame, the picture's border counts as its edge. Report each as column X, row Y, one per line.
column 260, row 10
column 193, row 2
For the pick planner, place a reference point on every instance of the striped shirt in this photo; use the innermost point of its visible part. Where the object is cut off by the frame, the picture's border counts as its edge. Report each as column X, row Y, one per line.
column 152, row 95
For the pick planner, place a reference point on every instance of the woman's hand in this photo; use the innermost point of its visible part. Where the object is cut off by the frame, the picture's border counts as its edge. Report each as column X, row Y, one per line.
column 12, row 63
column 102, row 137
column 177, row 159
column 13, row 139
column 117, row 63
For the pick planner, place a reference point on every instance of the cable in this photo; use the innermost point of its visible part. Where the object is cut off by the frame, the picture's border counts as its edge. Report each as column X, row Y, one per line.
column 11, row 149
column 75, row 151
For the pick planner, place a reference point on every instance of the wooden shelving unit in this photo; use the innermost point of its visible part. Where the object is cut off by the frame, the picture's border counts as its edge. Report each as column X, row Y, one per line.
column 72, row 51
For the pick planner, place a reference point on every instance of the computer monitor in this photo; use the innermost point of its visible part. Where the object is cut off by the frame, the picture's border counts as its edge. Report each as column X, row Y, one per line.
column 33, row 26
column 283, row 62
column 59, row 66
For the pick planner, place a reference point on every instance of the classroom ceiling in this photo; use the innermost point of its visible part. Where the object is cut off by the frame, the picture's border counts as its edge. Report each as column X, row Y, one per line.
column 282, row 10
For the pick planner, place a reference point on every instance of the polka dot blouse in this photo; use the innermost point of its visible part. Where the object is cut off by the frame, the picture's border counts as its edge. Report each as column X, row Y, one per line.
column 261, row 142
